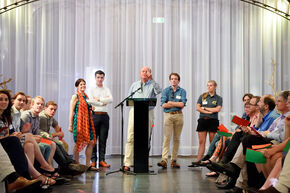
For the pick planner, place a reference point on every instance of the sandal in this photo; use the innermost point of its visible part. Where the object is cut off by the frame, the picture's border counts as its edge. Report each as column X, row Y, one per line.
column 47, row 181
column 211, row 174
column 204, row 163
column 91, row 168
column 52, row 174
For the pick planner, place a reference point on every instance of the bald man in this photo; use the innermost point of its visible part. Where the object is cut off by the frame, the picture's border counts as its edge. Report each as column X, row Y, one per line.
column 150, row 89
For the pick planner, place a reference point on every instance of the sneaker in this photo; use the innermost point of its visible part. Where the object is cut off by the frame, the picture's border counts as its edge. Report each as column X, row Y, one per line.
column 93, row 164
column 174, row 164
column 126, row 168
column 104, row 164
column 162, row 164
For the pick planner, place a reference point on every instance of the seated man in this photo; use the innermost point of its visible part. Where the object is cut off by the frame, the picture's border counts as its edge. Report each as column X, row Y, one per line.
column 47, row 120
column 232, row 169
column 32, row 117
column 66, row 163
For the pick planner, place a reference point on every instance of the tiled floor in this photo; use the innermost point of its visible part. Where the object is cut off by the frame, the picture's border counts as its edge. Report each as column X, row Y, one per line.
column 165, row 180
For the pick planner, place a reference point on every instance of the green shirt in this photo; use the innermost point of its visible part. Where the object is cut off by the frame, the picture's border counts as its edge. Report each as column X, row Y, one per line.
column 46, row 122
column 211, row 102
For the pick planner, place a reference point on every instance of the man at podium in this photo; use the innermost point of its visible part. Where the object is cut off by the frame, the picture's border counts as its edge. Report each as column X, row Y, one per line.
column 149, row 89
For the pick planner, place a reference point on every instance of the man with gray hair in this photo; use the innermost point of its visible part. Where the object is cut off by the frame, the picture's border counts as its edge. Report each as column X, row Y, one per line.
column 149, row 90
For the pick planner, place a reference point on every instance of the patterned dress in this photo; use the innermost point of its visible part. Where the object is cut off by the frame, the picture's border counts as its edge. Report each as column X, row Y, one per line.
column 75, row 121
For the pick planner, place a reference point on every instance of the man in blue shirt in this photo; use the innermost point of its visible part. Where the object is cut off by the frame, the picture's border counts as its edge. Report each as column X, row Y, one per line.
column 173, row 100
column 149, row 89
column 267, row 113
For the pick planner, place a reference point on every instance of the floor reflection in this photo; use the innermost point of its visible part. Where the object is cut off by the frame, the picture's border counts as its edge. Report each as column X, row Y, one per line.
column 165, row 180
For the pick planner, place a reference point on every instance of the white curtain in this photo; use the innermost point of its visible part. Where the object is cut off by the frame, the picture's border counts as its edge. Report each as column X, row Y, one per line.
column 45, row 46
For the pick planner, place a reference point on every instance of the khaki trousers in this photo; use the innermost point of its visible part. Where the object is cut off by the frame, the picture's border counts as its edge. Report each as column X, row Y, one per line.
column 239, row 159
column 129, row 150
column 284, row 178
column 173, row 123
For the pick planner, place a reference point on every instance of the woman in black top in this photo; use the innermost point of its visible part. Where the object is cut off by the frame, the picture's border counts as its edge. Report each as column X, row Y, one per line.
column 208, row 104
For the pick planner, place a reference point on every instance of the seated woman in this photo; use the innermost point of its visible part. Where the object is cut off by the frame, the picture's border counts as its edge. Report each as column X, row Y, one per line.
column 5, row 122
column 14, row 182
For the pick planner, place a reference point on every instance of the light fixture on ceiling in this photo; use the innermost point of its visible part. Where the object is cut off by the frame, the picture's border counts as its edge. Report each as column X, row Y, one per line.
column 12, row 4
column 273, row 8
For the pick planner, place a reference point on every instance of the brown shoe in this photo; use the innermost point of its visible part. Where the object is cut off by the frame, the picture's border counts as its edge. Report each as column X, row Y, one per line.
column 93, row 164
column 162, row 164
column 126, row 168
column 271, row 189
column 174, row 164
column 104, row 164
column 22, row 183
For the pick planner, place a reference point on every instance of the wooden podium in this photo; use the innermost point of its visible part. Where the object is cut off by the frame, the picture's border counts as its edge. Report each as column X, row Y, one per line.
column 141, row 142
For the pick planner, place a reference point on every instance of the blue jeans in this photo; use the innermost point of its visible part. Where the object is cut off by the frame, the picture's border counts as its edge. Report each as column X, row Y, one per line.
column 45, row 150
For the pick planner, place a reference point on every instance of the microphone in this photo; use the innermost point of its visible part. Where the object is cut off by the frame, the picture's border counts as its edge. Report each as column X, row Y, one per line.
column 141, row 86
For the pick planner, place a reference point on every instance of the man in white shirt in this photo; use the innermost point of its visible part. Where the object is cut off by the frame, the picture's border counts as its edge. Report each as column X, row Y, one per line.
column 99, row 97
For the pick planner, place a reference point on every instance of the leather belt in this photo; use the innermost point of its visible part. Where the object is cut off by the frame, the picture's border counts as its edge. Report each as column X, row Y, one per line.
column 99, row 113
column 206, row 118
column 175, row 112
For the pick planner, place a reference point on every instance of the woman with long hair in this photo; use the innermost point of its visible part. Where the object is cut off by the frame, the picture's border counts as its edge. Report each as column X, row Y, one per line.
column 208, row 104
column 81, row 123
column 5, row 122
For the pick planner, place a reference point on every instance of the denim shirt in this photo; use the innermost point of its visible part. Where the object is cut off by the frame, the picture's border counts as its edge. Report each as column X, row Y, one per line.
column 178, row 96
column 268, row 120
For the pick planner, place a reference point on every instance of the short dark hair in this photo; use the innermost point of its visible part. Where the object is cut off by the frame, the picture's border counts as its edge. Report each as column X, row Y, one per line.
column 99, row 72
column 79, row 81
column 50, row 103
column 256, row 97
column 248, row 95
column 18, row 93
column 268, row 100
column 27, row 97
column 174, row 74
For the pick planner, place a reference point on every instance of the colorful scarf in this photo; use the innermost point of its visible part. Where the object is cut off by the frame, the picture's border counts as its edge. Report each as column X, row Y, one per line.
column 84, row 123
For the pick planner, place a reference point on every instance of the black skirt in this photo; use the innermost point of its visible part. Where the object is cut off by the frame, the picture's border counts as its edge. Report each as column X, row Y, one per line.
column 209, row 125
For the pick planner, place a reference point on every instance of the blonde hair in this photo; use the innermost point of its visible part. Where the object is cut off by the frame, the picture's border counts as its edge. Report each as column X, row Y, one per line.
column 37, row 97
column 205, row 94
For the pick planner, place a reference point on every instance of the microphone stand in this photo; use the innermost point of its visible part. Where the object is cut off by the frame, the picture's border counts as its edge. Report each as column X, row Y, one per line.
column 122, row 131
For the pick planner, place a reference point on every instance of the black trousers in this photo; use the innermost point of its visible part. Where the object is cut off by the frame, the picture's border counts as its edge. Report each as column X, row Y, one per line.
column 15, row 151
column 233, row 146
column 254, row 178
column 61, row 156
column 101, row 124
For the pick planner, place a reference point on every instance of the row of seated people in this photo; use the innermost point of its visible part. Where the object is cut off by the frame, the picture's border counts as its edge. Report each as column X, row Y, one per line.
column 27, row 147
column 226, row 156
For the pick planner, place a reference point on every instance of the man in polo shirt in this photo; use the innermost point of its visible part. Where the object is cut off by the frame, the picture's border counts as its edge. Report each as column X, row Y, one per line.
column 99, row 97
column 149, row 89
column 173, row 100
column 31, row 117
